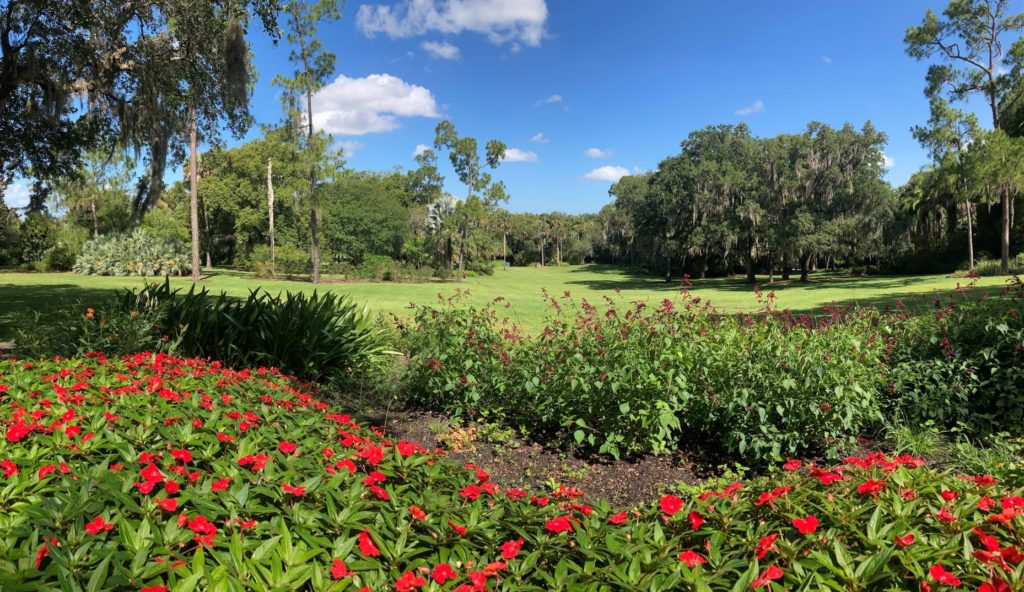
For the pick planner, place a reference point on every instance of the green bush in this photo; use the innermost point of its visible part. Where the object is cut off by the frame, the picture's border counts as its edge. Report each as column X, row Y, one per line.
column 289, row 261
column 635, row 380
column 139, row 253
column 10, row 236
column 985, row 266
column 155, row 473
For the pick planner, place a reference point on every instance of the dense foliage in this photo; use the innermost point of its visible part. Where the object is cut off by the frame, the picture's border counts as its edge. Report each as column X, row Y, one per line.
column 627, row 379
column 154, row 473
column 139, row 253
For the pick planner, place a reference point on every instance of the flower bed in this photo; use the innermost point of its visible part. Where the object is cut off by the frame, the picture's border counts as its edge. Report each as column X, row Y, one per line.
column 154, row 473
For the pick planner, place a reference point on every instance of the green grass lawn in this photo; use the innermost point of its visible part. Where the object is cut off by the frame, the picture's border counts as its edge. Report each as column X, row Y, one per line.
column 522, row 286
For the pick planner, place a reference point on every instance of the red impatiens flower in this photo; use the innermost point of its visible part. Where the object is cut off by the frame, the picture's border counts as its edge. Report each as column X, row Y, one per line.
column 339, row 569
column 442, row 573
column 152, row 474
column 945, row 516
column 670, row 504
column 620, row 518
column 168, row 505
column 949, row 495
column 153, row 589
column 98, row 525
column 870, row 487
column 806, row 525
column 986, row 503
column 767, row 576
column 692, row 559
column 765, row 545
column 296, row 490
column 940, row 575
column 510, row 549
column 41, row 554
column 182, row 455
column 417, row 513
column 221, row 484
column 696, row 520
column 367, row 546
column 459, row 529
column 46, row 470
column 8, row 467
column 792, row 465
column 904, row 541
column 558, row 525
column 409, row 581
column 286, row 447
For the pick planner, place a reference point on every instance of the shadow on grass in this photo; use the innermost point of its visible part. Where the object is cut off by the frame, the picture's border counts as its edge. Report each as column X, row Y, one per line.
column 17, row 300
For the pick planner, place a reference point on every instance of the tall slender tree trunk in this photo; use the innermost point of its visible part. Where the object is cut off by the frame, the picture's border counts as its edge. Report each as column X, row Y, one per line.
column 805, row 267
column 95, row 219
column 558, row 251
column 193, row 179
column 970, row 237
column 462, row 255
column 540, row 243
column 504, row 250
column 314, row 202
column 668, row 266
column 785, row 266
column 449, row 255
column 749, row 261
column 270, row 212
column 1004, row 261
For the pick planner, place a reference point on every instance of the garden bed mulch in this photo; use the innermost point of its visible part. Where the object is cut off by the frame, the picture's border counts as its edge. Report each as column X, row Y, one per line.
column 622, row 482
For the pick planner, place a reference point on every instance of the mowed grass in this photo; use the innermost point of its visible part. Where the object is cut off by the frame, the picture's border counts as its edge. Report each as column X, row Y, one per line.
column 522, row 287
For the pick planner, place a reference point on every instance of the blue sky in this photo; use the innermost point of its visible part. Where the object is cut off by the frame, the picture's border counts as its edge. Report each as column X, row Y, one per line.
column 585, row 90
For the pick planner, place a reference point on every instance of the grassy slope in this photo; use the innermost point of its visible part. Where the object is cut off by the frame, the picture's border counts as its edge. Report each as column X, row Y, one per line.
column 521, row 286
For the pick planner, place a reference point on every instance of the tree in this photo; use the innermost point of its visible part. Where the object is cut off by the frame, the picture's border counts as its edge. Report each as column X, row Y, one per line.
column 425, row 183
column 97, row 196
column 10, row 236
column 970, row 42
column 482, row 194
column 313, row 66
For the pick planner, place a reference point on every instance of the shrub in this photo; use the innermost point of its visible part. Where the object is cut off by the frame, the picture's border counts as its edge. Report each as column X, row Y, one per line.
column 288, row 261
column 138, row 253
column 992, row 267
column 635, row 380
column 156, row 473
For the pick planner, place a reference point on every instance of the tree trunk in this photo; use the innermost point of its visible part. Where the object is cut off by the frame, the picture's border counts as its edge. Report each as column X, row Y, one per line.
column 449, row 255
column 540, row 243
column 462, row 255
column 95, row 220
column 668, row 267
column 209, row 240
column 193, row 179
column 805, row 267
column 314, row 203
column 504, row 250
column 1004, row 261
column 785, row 266
column 970, row 237
column 749, row 257
column 270, row 212
column 558, row 251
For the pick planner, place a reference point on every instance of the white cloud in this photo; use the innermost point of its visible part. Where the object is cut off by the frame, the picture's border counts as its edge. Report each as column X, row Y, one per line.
column 420, row 149
column 539, row 139
column 16, row 195
column 757, row 107
column 350, row 147
column 517, row 155
column 556, row 98
column 607, row 173
column 597, row 153
column 357, row 106
column 502, row 21
column 888, row 161
column 826, row 60
column 441, row 50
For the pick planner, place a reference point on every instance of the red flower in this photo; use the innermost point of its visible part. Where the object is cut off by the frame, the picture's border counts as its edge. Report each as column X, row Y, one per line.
column 151, row 474
column 154, row 589
column 670, row 504
column 772, row 573
column 986, row 503
column 870, row 487
column 806, row 525
column 182, row 455
column 620, row 518
column 764, row 545
column 949, row 495
column 366, row 545
column 940, row 575
column 696, row 520
column 98, row 525
column 792, row 465
column 339, row 569
column 945, row 516
column 46, row 470
column 459, row 529
column 442, row 573
column 409, row 581
column 510, row 549
column 168, row 505
column 692, row 559
column 296, row 490
column 41, row 554
column 286, row 447
column 560, row 524
column 417, row 513
column 9, row 468
column 221, row 484
column 904, row 541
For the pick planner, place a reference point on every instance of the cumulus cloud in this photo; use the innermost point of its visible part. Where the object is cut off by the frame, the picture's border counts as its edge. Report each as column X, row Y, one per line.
column 556, row 98
column 607, row 173
column 539, row 139
column 420, row 149
column 888, row 161
column 16, row 195
column 757, row 107
column 357, row 106
column 501, row 21
column 517, row 155
column 349, row 147
column 597, row 153
column 441, row 50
